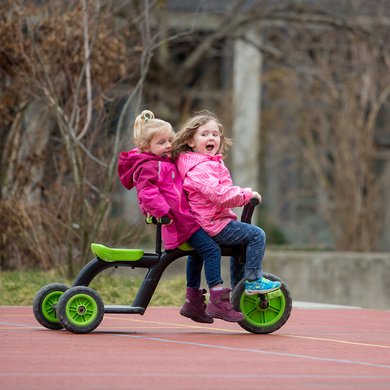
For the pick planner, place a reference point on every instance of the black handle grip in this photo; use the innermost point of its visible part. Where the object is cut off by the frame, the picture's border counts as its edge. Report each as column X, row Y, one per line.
column 248, row 210
column 165, row 220
column 150, row 220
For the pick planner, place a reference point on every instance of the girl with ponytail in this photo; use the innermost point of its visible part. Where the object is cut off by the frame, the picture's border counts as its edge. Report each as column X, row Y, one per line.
column 150, row 169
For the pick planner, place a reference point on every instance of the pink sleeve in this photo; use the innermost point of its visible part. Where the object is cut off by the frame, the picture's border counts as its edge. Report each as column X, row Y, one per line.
column 149, row 196
column 247, row 194
column 204, row 178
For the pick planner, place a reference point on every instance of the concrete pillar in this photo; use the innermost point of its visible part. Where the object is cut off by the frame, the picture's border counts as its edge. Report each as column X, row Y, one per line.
column 246, row 110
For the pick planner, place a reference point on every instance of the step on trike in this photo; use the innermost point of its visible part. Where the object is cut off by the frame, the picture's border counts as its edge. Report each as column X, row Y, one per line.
column 80, row 309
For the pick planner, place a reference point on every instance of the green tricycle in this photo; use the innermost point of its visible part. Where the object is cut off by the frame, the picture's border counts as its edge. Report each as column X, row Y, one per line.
column 80, row 309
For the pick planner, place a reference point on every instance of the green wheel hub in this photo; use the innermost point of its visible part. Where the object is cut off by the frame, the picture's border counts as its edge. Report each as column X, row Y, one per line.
column 260, row 313
column 81, row 310
column 48, row 306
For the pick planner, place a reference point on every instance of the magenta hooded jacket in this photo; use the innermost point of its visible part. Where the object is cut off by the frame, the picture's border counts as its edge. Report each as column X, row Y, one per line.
column 210, row 191
column 160, row 192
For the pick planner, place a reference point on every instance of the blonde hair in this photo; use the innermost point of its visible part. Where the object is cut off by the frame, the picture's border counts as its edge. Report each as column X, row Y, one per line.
column 187, row 132
column 146, row 126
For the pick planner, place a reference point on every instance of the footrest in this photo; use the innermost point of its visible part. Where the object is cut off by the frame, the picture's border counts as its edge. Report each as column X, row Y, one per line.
column 121, row 309
column 116, row 254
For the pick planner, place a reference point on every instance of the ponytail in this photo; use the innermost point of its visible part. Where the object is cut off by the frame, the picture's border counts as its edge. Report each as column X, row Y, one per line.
column 145, row 127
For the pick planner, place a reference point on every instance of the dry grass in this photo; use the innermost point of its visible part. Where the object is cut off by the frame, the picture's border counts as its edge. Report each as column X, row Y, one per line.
column 19, row 287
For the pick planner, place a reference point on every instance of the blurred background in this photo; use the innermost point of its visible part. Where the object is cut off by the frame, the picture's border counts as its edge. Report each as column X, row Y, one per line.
column 302, row 87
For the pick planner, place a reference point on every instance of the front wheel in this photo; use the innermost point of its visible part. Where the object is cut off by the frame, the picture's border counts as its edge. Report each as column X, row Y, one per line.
column 44, row 305
column 264, row 313
column 80, row 309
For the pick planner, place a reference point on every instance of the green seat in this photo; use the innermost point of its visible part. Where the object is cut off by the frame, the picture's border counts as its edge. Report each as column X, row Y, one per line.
column 116, row 254
column 186, row 247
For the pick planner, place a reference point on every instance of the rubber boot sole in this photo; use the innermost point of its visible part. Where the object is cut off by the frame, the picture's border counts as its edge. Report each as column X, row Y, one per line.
column 197, row 318
column 220, row 317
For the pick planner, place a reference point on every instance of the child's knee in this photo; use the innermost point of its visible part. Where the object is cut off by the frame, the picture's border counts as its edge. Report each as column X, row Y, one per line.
column 260, row 233
column 217, row 251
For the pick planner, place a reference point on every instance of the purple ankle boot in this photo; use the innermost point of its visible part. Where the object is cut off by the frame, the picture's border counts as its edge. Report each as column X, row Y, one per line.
column 221, row 307
column 194, row 306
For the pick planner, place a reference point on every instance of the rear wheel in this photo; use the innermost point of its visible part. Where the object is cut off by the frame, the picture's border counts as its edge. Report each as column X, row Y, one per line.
column 44, row 305
column 264, row 313
column 80, row 309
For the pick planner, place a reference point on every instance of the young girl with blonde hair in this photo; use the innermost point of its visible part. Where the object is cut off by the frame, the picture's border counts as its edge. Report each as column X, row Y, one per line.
column 212, row 195
column 151, row 171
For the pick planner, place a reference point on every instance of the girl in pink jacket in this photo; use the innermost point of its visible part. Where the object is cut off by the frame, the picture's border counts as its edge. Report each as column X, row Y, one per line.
column 211, row 195
column 151, row 171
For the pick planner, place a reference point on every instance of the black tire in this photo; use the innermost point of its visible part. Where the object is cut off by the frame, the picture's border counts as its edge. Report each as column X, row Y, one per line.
column 263, row 317
column 44, row 305
column 80, row 309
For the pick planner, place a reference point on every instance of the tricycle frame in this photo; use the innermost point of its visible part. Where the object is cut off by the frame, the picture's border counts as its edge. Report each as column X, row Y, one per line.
column 80, row 309
column 156, row 263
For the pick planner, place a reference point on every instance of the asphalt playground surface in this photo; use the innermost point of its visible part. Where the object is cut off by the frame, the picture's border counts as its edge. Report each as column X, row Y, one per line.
column 320, row 347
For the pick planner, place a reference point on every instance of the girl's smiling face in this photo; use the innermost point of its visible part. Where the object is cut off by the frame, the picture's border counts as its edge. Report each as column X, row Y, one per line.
column 207, row 139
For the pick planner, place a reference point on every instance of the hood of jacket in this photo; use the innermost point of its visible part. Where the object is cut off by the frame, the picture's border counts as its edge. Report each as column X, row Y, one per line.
column 129, row 162
column 159, row 192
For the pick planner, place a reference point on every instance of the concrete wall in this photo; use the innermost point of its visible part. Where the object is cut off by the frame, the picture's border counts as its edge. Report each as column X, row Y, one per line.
column 356, row 279
column 339, row 278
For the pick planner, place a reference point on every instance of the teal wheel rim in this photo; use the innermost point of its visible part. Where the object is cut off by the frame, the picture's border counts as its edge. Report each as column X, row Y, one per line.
column 48, row 306
column 261, row 317
column 81, row 310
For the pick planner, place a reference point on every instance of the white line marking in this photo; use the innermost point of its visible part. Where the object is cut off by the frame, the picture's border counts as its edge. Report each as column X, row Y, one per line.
column 260, row 351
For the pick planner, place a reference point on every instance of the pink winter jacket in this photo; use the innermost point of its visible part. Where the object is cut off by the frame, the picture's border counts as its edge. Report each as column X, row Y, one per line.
column 160, row 192
column 210, row 190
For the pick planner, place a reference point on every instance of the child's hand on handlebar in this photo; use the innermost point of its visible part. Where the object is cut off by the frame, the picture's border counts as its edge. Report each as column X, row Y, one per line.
column 165, row 220
column 256, row 195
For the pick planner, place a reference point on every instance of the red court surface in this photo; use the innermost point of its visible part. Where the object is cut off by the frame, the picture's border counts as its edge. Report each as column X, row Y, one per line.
column 315, row 349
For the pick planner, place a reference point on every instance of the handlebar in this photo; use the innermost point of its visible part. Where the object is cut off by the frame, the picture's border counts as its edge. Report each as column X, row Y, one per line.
column 246, row 215
column 165, row 220
column 248, row 210
column 150, row 220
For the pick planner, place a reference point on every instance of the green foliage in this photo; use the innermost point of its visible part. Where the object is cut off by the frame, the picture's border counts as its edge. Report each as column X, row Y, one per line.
column 19, row 288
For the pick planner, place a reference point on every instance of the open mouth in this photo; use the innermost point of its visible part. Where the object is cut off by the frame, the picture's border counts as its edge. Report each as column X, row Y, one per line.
column 209, row 147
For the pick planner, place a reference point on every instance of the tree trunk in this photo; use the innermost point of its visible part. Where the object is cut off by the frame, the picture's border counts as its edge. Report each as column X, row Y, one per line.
column 24, row 156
